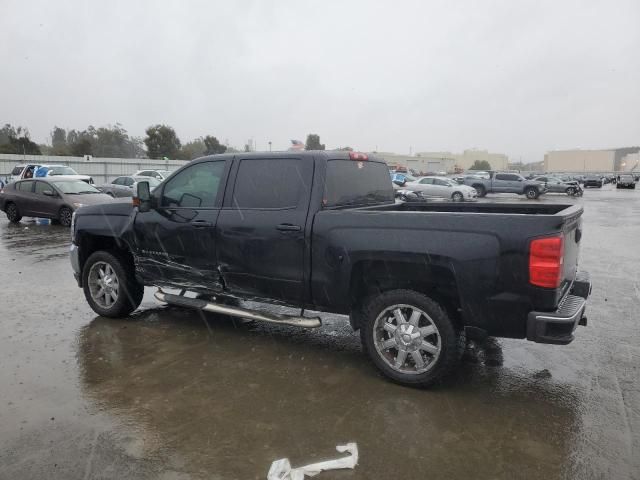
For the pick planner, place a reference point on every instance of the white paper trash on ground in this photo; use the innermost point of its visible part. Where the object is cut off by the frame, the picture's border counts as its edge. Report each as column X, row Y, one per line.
column 281, row 469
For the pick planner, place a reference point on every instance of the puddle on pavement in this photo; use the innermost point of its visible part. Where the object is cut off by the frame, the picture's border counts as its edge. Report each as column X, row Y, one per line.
column 234, row 396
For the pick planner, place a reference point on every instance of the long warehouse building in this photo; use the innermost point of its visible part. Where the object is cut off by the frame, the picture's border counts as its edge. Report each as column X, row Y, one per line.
column 588, row 160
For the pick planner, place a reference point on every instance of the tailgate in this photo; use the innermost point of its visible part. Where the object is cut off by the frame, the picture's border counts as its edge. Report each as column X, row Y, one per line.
column 572, row 230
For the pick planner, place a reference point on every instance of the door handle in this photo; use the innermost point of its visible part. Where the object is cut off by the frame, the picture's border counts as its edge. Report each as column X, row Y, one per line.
column 287, row 227
column 201, row 223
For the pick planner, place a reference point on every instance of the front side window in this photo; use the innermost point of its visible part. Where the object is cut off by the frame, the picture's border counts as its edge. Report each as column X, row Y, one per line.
column 269, row 183
column 194, row 187
column 442, row 183
column 128, row 181
column 427, row 181
column 41, row 187
column 118, row 181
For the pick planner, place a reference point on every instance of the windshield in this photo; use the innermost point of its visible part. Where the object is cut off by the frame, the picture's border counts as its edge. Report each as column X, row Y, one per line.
column 75, row 187
column 350, row 182
column 61, row 171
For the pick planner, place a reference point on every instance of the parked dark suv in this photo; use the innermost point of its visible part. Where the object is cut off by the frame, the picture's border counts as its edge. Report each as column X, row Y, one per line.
column 626, row 180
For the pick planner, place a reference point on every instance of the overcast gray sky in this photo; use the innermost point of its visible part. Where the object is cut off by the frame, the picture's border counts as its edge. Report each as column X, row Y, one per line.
column 510, row 76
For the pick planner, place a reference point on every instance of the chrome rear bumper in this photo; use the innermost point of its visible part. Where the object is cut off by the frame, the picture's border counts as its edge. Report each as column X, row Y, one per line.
column 557, row 327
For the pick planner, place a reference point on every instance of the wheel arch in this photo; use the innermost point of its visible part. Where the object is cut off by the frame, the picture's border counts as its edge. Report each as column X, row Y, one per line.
column 89, row 243
column 436, row 280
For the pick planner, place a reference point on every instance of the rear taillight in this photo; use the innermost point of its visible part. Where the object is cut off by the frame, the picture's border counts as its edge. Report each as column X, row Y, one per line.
column 358, row 156
column 546, row 258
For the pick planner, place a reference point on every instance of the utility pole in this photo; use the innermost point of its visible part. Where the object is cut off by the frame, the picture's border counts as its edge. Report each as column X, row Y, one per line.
column 269, row 145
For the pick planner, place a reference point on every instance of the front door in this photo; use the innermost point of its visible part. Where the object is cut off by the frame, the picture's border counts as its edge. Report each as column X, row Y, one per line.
column 46, row 205
column 261, row 229
column 176, row 241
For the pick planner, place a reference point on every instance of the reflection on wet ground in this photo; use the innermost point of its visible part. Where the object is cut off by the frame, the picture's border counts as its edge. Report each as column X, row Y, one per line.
column 174, row 394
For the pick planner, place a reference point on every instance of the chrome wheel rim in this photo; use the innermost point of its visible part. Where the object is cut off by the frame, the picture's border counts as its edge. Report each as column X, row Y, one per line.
column 407, row 339
column 457, row 197
column 104, row 285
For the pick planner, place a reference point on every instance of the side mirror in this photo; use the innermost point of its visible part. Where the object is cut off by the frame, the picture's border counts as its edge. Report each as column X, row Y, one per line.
column 48, row 193
column 143, row 197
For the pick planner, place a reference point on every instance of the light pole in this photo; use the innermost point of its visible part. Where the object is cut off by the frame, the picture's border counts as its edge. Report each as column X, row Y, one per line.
column 269, row 145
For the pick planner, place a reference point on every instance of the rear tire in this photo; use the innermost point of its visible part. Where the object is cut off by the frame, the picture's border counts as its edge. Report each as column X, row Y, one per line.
column 420, row 348
column 531, row 193
column 13, row 214
column 64, row 216
column 110, row 285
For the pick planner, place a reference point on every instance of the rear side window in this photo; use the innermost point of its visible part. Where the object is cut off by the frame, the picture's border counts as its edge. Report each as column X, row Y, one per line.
column 194, row 187
column 269, row 183
column 502, row 177
column 25, row 186
column 427, row 181
column 16, row 171
column 128, row 181
column 118, row 181
column 351, row 182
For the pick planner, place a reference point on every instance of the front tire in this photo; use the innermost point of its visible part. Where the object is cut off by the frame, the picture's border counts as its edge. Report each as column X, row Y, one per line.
column 13, row 214
column 410, row 338
column 110, row 286
column 571, row 191
column 64, row 216
column 457, row 197
column 482, row 192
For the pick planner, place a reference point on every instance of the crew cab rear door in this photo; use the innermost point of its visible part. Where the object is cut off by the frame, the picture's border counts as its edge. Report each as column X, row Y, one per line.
column 261, row 229
column 176, row 240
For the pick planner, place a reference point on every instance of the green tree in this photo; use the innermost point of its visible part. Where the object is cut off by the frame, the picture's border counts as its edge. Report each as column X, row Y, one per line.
column 81, row 147
column 16, row 140
column 480, row 165
column 193, row 149
column 313, row 142
column 213, row 146
column 162, row 141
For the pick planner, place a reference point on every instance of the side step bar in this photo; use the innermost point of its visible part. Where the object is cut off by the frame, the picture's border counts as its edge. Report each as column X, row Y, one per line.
column 182, row 301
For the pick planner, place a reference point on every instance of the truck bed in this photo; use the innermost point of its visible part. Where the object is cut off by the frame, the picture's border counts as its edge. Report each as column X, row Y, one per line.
column 493, row 208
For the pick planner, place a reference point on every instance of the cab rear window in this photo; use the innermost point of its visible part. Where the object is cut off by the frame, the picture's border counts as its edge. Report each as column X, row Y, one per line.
column 351, row 182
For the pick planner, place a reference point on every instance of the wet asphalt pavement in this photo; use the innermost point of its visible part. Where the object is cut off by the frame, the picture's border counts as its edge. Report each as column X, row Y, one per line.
column 170, row 394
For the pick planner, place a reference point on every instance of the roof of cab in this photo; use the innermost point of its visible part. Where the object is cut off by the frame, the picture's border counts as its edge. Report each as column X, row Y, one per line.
column 326, row 154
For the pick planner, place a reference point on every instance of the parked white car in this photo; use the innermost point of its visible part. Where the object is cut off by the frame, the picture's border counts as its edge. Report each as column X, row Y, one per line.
column 32, row 170
column 442, row 187
column 158, row 174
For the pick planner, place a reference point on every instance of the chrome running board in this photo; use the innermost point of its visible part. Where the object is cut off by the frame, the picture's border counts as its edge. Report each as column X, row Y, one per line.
column 198, row 304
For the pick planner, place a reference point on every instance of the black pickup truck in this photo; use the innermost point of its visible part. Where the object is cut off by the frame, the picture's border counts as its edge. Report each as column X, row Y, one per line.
column 321, row 231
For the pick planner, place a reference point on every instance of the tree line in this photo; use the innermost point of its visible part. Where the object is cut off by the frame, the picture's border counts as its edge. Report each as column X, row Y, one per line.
column 161, row 141
column 113, row 141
